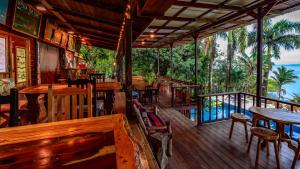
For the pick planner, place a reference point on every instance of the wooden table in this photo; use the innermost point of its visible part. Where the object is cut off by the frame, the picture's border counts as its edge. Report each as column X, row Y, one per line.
column 280, row 116
column 32, row 94
column 99, row 142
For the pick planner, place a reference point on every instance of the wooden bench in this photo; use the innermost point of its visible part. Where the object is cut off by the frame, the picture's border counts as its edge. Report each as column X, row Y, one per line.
column 157, row 132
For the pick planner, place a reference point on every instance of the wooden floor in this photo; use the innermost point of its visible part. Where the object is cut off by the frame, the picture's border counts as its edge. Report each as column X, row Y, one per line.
column 208, row 146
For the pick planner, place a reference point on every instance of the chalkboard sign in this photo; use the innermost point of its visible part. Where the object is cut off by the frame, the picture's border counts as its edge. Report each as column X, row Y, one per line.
column 3, row 10
column 26, row 20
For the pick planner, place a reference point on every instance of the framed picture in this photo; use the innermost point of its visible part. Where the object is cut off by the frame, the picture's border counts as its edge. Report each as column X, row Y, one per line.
column 3, row 54
column 26, row 19
column 21, row 71
column 3, row 11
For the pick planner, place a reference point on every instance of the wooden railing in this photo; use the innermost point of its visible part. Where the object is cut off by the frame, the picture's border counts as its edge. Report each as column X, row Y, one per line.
column 217, row 107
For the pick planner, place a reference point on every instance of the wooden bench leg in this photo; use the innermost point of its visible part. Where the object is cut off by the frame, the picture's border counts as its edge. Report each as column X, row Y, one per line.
column 246, row 132
column 276, row 154
column 249, row 145
column 231, row 129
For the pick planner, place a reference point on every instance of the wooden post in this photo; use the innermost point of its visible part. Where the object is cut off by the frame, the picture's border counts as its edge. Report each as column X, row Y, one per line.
column 158, row 56
column 128, row 48
column 171, row 60
column 259, row 57
column 195, row 36
column 128, row 68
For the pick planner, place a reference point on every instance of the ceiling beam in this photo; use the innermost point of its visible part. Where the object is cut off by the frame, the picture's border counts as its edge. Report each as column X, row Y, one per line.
column 101, row 5
column 87, row 17
column 227, row 18
column 111, row 39
column 171, row 27
column 207, row 6
column 175, row 18
column 101, row 41
column 76, row 24
column 96, row 32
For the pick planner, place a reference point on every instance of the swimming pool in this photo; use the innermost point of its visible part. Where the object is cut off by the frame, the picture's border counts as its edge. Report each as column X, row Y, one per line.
column 208, row 117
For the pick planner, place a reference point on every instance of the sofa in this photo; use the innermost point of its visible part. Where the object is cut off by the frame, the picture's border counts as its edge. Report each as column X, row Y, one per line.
column 157, row 132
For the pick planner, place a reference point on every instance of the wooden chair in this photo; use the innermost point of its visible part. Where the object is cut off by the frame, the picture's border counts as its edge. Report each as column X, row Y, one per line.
column 100, row 77
column 295, row 146
column 241, row 118
column 11, row 118
column 83, row 83
column 62, row 99
column 266, row 135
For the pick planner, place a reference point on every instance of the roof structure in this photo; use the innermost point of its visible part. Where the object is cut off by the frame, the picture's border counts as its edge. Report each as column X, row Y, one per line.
column 204, row 18
column 157, row 23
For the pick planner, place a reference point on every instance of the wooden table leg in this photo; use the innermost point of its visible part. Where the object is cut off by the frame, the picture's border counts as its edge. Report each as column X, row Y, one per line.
column 33, row 107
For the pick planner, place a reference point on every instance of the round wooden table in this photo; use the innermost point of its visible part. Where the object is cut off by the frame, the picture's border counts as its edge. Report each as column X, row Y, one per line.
column 32, row 93
column 280, row 116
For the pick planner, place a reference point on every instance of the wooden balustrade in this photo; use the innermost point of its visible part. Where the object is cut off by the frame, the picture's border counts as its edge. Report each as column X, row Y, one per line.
column 219, row 106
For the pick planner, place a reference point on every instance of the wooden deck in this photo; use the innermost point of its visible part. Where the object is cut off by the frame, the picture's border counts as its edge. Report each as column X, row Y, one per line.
column 208, row 146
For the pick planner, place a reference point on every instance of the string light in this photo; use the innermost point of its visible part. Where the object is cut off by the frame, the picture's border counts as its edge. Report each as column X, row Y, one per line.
column 126, row 16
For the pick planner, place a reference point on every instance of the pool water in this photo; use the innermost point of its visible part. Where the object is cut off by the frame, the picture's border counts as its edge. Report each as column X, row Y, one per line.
column 219, row 110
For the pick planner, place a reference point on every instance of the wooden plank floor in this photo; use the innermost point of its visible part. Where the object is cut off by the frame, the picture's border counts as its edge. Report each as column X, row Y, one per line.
column 208, row 146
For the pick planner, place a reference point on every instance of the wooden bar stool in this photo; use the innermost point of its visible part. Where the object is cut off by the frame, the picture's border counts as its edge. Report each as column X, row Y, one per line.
column 266, row 135
column 242, row 118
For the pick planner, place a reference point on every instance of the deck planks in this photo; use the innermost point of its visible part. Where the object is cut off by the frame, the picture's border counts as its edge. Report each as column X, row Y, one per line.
column 208, row 146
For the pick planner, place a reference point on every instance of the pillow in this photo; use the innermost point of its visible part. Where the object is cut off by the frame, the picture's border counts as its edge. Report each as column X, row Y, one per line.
column 154, row 120
column 5, row 86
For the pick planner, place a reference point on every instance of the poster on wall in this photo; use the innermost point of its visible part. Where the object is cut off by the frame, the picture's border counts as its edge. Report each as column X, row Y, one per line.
column 71, row 43
column 2, row 55
column 27, row 20
column 3, row 11
column 21, row 64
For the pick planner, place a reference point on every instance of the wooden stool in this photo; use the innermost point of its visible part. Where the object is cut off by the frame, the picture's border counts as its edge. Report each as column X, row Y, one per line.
column 266, row 135
column 238, row 117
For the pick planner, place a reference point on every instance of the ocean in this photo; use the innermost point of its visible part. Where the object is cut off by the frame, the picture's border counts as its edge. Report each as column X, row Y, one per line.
column 293, row 87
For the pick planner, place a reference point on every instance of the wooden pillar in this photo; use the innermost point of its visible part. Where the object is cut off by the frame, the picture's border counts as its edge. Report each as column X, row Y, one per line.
column 259, row 56
column 171, row 60
column 128, row 48
column 195, row 36
column 158, row 57
column 128, row 67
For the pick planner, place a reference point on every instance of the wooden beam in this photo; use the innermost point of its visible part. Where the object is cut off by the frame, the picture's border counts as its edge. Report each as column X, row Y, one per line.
column 207, row 5
column 57, row 14
column 259, row 58
column 99, row 37
column 75, row 13
column 102, row 41
column 229, row 17
column 105, row 30
column 95, row 31
column 101, row 5
column 171, row 27
column 195, row 37
column 175, row 18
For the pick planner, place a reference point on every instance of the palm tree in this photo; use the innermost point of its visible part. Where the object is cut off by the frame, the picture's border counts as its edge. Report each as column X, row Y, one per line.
column 281, row 34
column 237, row 42
column 282, row 77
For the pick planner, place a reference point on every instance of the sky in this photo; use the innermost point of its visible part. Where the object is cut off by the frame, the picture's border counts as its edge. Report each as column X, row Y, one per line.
column 286, row 57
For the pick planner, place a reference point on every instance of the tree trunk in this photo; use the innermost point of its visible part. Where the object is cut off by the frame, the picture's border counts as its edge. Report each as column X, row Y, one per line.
column 229, row 61
column 267, row 72
column 212, row 59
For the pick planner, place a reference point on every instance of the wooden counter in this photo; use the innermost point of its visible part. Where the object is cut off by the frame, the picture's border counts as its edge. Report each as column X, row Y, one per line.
column 100, row 142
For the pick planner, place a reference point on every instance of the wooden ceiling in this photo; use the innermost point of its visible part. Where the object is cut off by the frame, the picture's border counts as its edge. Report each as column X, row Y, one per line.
column 185, row 18
column 156, row 23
